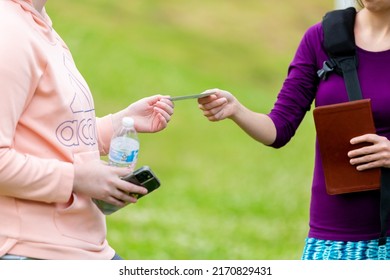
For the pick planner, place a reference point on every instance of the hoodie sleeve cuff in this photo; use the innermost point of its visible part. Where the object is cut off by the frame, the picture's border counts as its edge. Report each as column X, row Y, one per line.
column 105, row 131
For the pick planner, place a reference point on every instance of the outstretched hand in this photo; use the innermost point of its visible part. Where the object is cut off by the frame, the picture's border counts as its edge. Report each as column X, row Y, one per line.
column 218, row 106
column 151, row 114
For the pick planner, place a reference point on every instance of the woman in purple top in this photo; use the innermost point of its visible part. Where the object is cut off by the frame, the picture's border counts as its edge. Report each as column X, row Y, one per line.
column 341, row 226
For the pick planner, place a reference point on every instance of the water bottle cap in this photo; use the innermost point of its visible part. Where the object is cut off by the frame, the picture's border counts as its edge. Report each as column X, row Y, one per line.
column 128, row 122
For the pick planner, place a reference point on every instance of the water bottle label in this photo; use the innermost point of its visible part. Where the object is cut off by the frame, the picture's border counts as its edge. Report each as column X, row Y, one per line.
column 123, row 151
column 119, row 156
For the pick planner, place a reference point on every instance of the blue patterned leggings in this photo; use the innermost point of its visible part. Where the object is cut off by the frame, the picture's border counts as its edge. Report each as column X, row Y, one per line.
column 316, row 249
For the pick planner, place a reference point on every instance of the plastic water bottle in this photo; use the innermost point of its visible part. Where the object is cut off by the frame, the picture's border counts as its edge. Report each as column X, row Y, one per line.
column 124, row 146
column 124, row 149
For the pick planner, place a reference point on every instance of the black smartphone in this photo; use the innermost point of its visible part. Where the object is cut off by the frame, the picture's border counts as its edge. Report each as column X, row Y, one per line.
column 144, row 177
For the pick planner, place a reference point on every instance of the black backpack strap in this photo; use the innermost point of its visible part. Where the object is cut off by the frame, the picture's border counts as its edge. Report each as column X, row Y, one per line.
column 384, row 204
column 339, row 42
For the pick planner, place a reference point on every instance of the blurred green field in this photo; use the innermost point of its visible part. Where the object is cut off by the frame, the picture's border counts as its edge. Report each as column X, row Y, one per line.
column 223, row 195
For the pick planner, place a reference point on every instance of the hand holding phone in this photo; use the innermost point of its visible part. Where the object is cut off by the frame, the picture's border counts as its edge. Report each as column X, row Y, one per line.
column 144, row 177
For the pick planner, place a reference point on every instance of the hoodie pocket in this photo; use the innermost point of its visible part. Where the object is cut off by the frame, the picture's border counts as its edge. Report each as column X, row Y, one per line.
column 80, row 218
column 10, row 224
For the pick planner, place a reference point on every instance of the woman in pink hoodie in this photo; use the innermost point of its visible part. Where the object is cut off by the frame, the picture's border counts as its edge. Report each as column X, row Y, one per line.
column 51, row 143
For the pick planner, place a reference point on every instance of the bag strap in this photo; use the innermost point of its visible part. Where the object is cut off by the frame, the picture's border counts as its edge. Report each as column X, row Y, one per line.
column 384, row 204
column 339, row 43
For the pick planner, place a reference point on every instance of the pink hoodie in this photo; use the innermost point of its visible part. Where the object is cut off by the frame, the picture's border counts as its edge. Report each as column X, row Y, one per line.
column 47, row 123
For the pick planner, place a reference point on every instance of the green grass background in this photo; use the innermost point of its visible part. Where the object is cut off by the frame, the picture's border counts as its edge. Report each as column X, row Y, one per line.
column 223, row 195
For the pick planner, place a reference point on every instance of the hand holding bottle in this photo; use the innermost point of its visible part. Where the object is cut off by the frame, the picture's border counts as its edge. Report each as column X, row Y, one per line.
column 103, row 182
column 123, row 153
